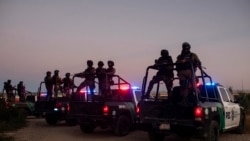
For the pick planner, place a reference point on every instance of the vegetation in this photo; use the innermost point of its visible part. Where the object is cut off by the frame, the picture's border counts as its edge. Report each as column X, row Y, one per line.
column 10, row 119
column 244, row 100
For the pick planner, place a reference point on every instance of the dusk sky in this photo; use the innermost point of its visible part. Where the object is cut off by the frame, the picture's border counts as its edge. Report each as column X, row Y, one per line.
column 43, row 35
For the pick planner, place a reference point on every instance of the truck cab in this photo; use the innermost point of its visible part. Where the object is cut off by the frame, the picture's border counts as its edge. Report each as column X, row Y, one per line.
column 211, row 109
column 116, row 109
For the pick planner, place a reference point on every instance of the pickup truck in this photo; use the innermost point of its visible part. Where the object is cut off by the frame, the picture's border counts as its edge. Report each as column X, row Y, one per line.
column 54, row 110
column 117, row 110
column 27, row 107
column 211, row 110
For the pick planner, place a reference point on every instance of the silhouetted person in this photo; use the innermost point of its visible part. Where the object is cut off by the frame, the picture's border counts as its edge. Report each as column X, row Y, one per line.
column 21, row 91
column 89, row 75
column 185, row 61
column 67, row 84
column 102, row 78
column 9, row 90
column 110, row 72
column 57, row 81
column 49, row 85
column 164, row 73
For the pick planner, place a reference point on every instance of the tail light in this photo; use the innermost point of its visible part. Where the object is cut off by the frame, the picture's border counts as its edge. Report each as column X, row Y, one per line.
column 105, row 110
column 68, row 107
column 137, row 110
column 58, row 106
column 198, row 113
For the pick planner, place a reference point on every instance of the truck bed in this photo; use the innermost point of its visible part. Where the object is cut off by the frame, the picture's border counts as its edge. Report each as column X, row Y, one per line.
column 79, row 108
column 163, row 109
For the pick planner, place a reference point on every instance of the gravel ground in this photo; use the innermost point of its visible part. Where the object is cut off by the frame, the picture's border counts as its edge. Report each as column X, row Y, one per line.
column 38, row 130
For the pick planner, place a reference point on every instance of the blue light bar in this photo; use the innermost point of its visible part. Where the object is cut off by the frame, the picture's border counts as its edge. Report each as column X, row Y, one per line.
column 135, row 87
column 210, row 84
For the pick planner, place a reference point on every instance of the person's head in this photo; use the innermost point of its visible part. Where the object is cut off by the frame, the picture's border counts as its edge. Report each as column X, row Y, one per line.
column 67, row 74
column 90, row 63
column 100, row 64
column 48, row 73
column 9, row 81
column 164, row 53
column 111, row 63
column 186, row 48
column 56, row 72
column 21, row 82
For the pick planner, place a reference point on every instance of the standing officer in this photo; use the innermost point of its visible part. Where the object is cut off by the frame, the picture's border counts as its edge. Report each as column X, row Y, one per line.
column 67, row 84
column 21, row 91
column 185, row 61
column 48, row 84
column 57, row 81
column 101, row 76
column 165, row 72
column 89, row 75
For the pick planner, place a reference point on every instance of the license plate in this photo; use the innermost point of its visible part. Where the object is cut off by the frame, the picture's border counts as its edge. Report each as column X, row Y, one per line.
column 164, row 126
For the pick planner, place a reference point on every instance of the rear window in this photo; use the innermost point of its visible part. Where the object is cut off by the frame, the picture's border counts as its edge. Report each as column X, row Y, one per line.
column 208, row 92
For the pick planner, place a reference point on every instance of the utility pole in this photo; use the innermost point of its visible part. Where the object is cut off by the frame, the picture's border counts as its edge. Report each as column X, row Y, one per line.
column 242, row 85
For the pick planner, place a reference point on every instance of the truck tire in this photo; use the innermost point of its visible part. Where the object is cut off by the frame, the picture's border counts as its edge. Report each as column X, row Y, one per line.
column 242, row 125
column 213, row 132
column 153, row 136
column 122, row 126
column 87, row 128
column 51, row 120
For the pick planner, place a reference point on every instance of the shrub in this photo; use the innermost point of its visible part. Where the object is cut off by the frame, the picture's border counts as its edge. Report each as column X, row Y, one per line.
column 11, row 119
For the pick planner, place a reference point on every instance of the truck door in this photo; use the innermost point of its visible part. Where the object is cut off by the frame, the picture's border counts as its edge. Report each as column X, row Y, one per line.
column 235, row 113
column 228, row 107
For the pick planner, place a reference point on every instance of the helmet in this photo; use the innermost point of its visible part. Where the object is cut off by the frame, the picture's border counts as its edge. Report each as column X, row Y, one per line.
column 164, row 52
column 48, row 73
column 185, row 46
column 100, row 63
column 111, row 63
column 56, row 71
column 90, row 63
column 67, row 74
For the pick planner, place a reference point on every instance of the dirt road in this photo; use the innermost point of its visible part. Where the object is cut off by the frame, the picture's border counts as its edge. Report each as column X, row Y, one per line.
column 38, row 130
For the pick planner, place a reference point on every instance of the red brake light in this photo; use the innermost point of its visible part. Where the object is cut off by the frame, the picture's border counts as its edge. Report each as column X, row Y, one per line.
column 105, row 110
column 138, row 109
column 124, row 87
column 82, row 91
column 59, row 105
column 198, row 113
column 68, row 107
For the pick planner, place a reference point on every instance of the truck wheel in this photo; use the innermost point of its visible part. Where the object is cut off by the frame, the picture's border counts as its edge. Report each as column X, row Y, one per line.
column 242, row 125
column 122, row 126
column 51, row 120
column 155, row 136
column 87, row 128
column 213, row 132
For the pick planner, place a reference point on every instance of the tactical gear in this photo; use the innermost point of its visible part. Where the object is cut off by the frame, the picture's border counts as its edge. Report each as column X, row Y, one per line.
column 164, row 53
column 111, row 63
column 186, row 46
column 100, row 63
column 90, row 63
column 67, row 74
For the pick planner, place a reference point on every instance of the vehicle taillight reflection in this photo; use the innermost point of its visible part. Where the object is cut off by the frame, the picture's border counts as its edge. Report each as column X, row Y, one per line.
column 198, row 113
column 105, row 110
